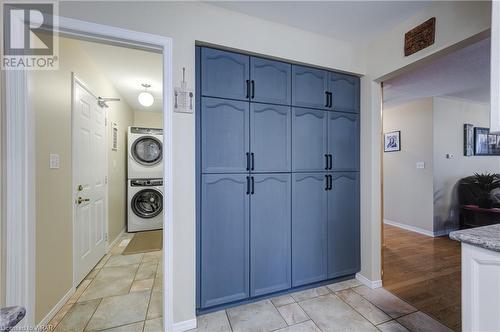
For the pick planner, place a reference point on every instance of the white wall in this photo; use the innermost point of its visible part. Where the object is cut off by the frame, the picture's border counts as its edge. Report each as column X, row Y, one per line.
column 449, row 118
column 187, row 22
column 408, row 191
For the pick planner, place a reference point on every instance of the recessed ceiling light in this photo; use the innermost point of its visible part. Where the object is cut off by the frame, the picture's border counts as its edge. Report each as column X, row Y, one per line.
column 145, row 98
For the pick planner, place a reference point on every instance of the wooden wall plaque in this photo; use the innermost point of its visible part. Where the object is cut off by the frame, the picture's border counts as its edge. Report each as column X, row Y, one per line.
column 420, row 37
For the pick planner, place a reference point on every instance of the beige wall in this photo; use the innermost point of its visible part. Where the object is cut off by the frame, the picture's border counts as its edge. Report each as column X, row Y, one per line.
column 449, row 118
column 408, row 191
column 148, row 119
column 50, row 98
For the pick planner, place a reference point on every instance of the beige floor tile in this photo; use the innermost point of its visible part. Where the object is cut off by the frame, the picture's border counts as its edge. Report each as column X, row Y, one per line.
column 259, row 316
column 338, row 286
column 387, row 302
column 213, row 322
column 282, row 300
column 308, row 326
column 120, row 260
column 293, row 314
column 141, row 285
column 420, row 322
column 330, row 313
column 110, row 281
column 310, row 293
column 363, row 306
column 60, row 315
column 77, row 317
column 79, row 291
column 156, row 305
column 120, row 310
column 153, row 256
column 136, row 327
column 147, row 271
column 391, row 326
column 154, row 325
column 158, row 285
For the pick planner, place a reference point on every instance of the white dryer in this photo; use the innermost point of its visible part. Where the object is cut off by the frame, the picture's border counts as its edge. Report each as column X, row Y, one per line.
column 145, row 205
column 145, row 153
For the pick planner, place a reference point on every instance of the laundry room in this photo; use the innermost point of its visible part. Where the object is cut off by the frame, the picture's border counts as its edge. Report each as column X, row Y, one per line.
column 99, row 185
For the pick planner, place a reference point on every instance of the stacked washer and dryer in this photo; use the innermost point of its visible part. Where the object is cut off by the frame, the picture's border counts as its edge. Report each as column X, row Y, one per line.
column 145, row 179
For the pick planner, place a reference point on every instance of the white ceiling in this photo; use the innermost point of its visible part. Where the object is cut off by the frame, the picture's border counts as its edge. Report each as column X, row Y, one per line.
column 353, row 21
column 127, row 69
column 463, row 74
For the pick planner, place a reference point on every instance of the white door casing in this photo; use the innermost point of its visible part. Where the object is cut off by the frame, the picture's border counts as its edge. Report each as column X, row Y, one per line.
column 89, row 181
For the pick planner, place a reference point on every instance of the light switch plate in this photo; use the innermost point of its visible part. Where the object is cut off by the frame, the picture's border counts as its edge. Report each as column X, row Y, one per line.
column 54, row 161
column 420, row 164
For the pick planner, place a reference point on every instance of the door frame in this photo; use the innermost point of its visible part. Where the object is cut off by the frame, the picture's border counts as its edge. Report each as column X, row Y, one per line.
column 18, row 156
column 75, row 79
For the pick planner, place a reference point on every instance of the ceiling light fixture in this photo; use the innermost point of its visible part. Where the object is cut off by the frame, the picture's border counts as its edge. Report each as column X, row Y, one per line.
column 145, row 98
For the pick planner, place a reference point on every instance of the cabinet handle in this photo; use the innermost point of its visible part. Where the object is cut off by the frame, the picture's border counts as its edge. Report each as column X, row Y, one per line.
column 331, row 99
column 327, row 98
column 248, row 161
column 253, row 89
column 253, row 161
column 248, row 185
column 330, row 157
column 253, row 185
column 326, row 161
column 331, row 182
column 248, row 89
column 326, row 182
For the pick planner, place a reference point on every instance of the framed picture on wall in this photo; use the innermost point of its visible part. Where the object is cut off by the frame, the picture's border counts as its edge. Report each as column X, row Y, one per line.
column 486, row 144
column 392, row 141
column 468, row 139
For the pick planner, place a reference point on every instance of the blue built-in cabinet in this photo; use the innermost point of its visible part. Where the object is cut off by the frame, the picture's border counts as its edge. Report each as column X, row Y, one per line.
column 277, row 174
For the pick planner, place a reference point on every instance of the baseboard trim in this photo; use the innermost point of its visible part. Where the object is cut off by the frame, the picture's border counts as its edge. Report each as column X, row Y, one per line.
column 115, row 241
column 367, row 282
column 46, row 320
column 417, row 229
column 185, row 325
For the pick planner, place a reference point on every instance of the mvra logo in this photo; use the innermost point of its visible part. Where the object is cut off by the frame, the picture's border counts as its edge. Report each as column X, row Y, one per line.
column 28, row 40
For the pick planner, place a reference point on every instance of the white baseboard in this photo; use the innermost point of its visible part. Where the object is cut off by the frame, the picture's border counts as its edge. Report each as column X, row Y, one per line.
column 46, row 320
column 417, row 229
column 115, row 241
column 367, row 282
column 185, row 325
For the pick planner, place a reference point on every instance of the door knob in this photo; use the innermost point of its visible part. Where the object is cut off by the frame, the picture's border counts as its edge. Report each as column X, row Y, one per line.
column 81, row 200
column 80, row 187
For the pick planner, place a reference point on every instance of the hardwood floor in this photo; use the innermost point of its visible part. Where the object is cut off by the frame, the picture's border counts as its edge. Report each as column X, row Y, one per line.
column 425, row 272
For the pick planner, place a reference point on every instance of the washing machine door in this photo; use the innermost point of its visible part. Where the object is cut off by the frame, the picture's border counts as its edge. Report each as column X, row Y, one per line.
column 147, row 203
column 147, row 150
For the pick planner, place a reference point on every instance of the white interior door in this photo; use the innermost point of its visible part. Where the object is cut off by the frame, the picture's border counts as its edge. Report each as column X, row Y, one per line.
column 89, row 174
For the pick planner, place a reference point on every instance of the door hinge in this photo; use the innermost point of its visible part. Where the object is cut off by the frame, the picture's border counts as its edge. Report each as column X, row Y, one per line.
column 105, row 180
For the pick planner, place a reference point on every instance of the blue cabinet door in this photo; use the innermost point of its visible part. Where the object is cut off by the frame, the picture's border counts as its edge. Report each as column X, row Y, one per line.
column 224, row 74
column 224, row 239
column 343, row 141
column 224, row 135
column 270, row 234
column 343, row 225
column 309, row 86
column 345, row 92
column 309, row 228
column 309, row 139
column 270, row 137
column 271, row 81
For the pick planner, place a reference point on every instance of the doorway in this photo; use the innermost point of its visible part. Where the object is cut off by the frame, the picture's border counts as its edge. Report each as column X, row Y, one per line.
column 424, row 164
column 22, row 291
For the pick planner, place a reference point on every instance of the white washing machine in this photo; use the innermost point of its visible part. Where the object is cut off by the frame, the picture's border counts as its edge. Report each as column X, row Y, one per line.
column 145, row 153
column 145, row 204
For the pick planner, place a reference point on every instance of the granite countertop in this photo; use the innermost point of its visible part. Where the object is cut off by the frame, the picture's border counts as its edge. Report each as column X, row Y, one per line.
column 487, row 237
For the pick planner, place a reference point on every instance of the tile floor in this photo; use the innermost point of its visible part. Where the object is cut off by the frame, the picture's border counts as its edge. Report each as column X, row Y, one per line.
column 343, row 306
column 122, row 294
